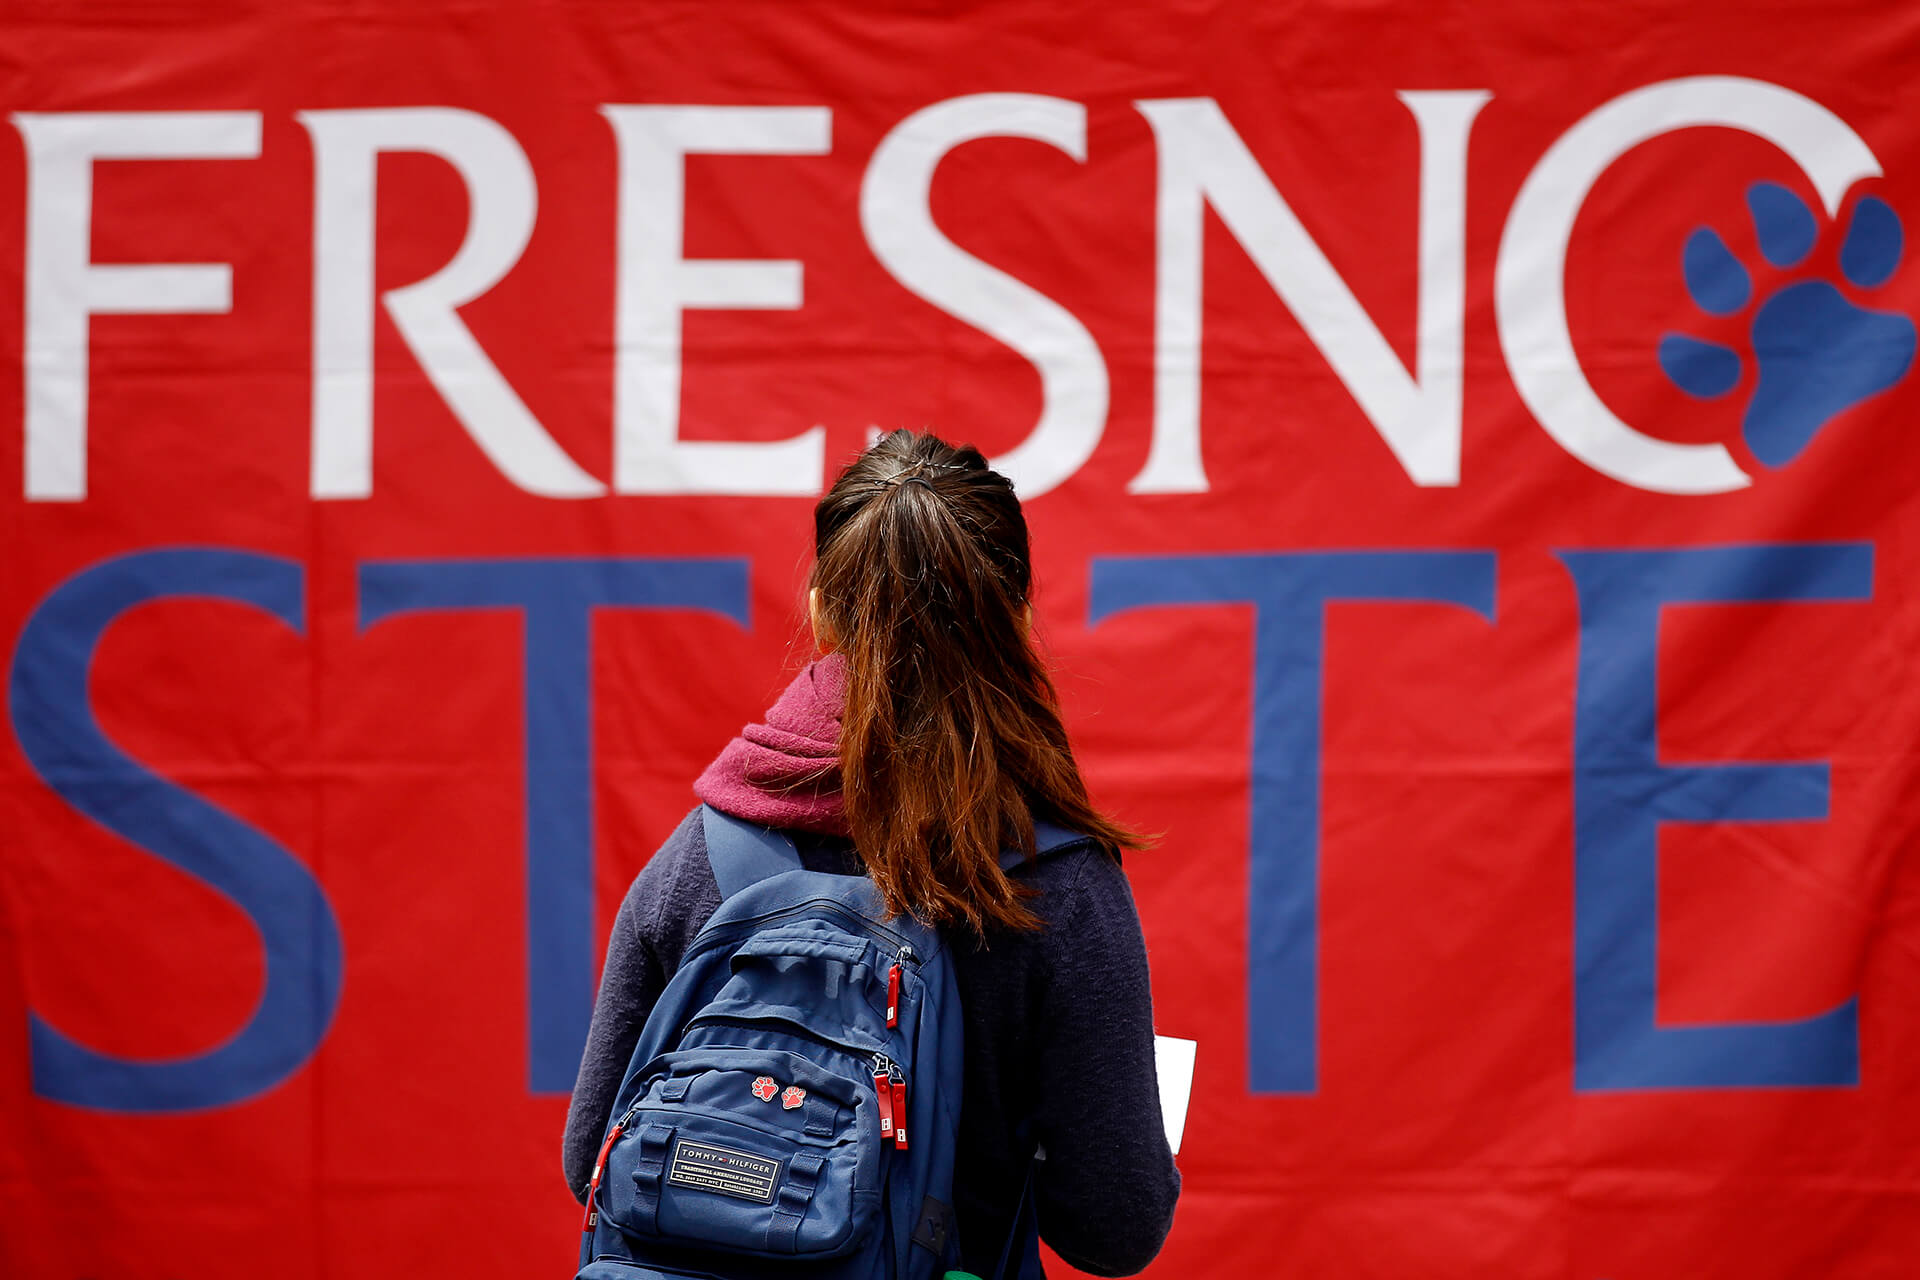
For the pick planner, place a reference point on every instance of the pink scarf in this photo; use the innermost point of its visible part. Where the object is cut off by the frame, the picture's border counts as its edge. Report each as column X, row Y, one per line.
column 786, row 771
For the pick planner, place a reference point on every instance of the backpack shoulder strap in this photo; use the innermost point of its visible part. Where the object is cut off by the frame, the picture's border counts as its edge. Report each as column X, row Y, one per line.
column 744, row 853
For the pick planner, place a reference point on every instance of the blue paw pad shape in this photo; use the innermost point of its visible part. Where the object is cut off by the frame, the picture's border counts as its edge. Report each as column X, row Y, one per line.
column 1818, row 353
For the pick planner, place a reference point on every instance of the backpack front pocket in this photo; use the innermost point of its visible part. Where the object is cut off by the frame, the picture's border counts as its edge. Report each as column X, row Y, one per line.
column 747, row 1150
column 815, row 977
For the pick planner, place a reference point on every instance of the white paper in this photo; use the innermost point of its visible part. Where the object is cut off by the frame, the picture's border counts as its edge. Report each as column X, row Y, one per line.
column 1173, row 1061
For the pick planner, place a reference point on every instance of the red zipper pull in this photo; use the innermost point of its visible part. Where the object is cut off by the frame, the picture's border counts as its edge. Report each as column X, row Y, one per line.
column 900, row 1114
column 592, row 1214
column 893, row 995
column 883, row 1090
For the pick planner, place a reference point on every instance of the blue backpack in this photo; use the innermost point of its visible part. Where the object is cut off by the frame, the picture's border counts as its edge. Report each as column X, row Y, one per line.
column 795, row 1094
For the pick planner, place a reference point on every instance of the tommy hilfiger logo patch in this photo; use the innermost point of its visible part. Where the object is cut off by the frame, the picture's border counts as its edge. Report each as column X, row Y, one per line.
column 722, row 1170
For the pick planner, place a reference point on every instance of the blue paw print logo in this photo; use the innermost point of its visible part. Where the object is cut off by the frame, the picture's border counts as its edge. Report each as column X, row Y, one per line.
column 1818, row 353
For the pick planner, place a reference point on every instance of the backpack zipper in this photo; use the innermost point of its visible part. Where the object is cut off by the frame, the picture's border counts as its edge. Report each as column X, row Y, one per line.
column 890, row 1088
column 883, row 1091
column 897, row 1087
column 592, row 1214
column 903, row 949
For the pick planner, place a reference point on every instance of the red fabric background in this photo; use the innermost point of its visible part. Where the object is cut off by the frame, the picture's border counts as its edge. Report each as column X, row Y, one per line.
column 1446, row 1138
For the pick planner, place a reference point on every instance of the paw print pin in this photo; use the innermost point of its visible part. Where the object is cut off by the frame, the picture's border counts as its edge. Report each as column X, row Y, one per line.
column 764, row 1088
column 1817, row 352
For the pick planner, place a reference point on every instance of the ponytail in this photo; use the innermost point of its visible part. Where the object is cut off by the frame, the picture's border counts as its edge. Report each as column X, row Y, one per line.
column 951, row 739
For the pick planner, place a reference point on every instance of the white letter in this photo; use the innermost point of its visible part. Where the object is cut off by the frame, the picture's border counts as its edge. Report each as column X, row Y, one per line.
column 346, row 150
column 655, row 284
column 1202, row 162
column 1530, row 277
column 63, row 285
column 898, row 222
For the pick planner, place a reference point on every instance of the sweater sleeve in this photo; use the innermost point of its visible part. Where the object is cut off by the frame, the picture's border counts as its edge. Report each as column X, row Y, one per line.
column 629, row 986
column 1107, row 1187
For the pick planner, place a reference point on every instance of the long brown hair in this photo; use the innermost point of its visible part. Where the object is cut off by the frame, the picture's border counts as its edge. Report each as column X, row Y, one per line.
column 951, row 741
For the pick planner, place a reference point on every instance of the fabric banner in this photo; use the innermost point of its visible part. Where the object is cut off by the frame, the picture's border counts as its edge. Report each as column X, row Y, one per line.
column 1470, row 454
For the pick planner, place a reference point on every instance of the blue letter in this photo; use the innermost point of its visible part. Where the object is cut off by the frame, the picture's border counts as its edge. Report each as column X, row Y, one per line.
column 556, row 599
column 1290, row 593
column 64, row 743
column 1621, row 795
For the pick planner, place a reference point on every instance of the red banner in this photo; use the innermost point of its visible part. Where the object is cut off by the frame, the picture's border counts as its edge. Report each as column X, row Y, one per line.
column 1471, row 467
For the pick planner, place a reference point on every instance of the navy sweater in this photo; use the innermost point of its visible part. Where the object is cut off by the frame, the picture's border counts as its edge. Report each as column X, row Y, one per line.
column 1059, row 1027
